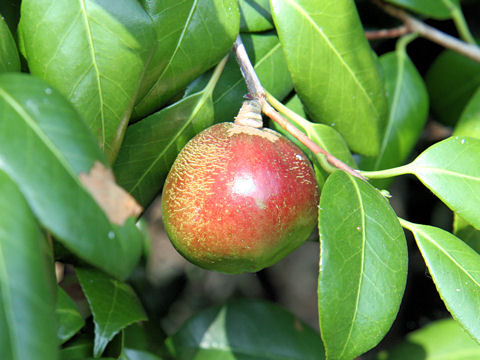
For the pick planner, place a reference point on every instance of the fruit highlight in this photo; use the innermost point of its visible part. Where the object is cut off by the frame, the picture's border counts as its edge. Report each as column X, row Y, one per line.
column 239, row 199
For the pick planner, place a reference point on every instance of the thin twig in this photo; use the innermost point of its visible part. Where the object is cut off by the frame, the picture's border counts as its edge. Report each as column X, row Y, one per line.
column 256, row 91
column 387, row 33
column 470, row 50
column 254, row 86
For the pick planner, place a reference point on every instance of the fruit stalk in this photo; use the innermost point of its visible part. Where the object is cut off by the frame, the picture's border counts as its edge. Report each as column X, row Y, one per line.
column 256, row 91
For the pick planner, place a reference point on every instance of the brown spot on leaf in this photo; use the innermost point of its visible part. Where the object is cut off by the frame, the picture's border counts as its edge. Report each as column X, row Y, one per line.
column 117, row 204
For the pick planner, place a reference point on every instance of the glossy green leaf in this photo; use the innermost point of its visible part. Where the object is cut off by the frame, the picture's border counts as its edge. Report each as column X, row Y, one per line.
column 438, row 9
column 455, row 269
column 408, row 110
column 192, row 36
column 26, row 287
column 114, row 305
column 95, row 53
column 451, row 170
column 69, row 320
column 44, row 145
column 469, row 123
column 9, row 59
column 152, row 144
column 363, row 266
column 442, row 339
column 466, row 232
column 333, row 68
column 245, row 330
column 255, row 15
column 266, row 54
column 451, row 82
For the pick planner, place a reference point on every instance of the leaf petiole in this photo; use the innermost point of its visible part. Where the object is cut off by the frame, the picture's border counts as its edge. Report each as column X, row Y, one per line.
column 387, row 173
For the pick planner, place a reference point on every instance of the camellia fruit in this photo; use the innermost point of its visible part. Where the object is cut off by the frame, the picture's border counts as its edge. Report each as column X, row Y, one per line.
column 239, row 199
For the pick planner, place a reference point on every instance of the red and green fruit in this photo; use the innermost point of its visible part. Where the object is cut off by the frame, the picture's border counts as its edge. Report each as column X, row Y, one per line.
column 239, row 199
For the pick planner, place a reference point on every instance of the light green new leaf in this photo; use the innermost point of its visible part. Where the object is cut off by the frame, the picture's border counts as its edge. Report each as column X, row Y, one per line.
column 245, row 330
column 9, row 59
column 451, row 170
column 442, row 339
column 363, row 266
column 469, row 123
column 27, row 330
column 69, row 320
column 95, row 53
column 44, row 146
column 333, row 68
column 438, row 9
column 269, row 63
column 114, row 305
column 451, row 81
column 466, row 232
column 255, row 15
column 192, row 36
column 455, row 269
column 408, row 110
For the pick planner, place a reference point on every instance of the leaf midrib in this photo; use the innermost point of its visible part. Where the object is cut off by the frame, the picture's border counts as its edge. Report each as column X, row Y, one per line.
column 174, row 54
column 31, row 123
column 444, row 172
column 360, row 282
column 95, row 67
column 334, row 50
column 401, row 58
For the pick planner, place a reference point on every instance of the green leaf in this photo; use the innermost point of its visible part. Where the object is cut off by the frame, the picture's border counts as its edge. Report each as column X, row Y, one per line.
column 68, row 317
column 80, row 348
column 266, row 54
column 438, row 9
column 95, row 53
column 408, row 110
column 443, row 339
column 469, row 123
column 255, row 15
column 26, row 281
column 245, row 330
column 466, row 232
column 152, row 144
column 451, row 82
column 9, row 59
column 131, row 354
column 295, row 104
column 333, row 68
column 451, row 170
column 455, row 269
column 114, row 305
column 192, row 36
column 326, row 137
column 44, row 145
column 363, row 266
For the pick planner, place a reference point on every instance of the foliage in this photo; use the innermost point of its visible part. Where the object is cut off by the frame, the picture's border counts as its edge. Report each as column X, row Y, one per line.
column 95, row 90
